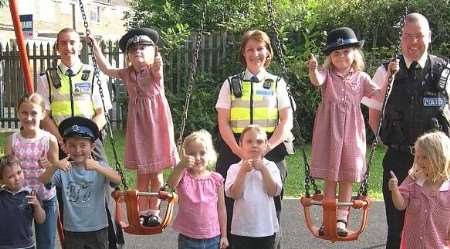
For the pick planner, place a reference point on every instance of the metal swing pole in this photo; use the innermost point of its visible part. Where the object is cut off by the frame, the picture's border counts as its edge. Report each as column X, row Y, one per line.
column 20, row 40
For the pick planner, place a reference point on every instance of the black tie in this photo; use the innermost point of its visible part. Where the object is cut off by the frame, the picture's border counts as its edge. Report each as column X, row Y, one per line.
column 69, row 72
column 254, row 79
column 414, row 66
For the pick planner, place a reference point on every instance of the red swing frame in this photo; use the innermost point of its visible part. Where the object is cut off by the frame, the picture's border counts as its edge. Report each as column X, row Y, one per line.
column 329, row 216
column 131, row 199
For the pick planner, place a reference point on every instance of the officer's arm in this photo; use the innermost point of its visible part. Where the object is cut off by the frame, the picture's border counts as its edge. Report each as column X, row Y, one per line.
column 99, row 118
column 223, row 119
column 49, row 125
column 284, row 125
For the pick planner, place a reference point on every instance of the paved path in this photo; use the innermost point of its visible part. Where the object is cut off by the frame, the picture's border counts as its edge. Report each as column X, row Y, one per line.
column 295, row 233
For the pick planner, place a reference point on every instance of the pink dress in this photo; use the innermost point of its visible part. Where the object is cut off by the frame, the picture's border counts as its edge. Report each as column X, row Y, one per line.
column 149, row 142
column 197, row 213
column 339, row 138
column 427, row 216
column 29, row 151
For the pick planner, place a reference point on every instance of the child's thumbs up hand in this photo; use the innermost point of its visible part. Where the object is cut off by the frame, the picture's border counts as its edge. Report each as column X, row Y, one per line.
column 312, row 63
column 187, row 161
column 43, row 162
column 64, row 164
column 393, row 182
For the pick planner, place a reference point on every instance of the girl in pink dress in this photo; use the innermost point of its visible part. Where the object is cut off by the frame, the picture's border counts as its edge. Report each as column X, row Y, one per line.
column 339, row 139
column 201, row 219
column 425, row 194
column 34, row 148
column 149, row 145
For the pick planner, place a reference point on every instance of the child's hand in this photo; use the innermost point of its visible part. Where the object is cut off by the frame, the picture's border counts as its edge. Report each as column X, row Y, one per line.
column 187, row 161
column 258, row 164
column 224, row 243
column 43, row 162
column 32, row 199
column 90, row 164
column 394, row 66
column 247, row 165
column 64, row 164
column 157, row 63
column 393, row 182
column 90, row 39
column 312, row 63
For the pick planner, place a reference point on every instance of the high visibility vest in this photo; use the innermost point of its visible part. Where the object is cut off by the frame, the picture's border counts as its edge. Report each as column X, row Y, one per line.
column 71, row 96
column 257, row 105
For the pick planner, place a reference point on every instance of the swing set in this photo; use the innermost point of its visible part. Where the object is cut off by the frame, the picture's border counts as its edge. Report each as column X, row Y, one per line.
column 130, row 197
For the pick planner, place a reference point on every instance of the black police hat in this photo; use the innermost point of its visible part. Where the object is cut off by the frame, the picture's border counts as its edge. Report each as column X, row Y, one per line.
column 139, row 35
column 79, row 127
column 342, row 38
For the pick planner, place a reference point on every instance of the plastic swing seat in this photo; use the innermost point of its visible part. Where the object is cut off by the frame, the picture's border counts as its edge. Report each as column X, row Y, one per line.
column 329, row 216
column 131, row 200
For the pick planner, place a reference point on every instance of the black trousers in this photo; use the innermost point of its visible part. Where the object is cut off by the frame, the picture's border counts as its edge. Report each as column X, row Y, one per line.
column 244, row 242
column 224, row 160
column 399, row 162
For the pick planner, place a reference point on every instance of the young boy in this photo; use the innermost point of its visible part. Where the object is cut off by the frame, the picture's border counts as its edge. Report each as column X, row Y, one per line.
column 18, row 207
column 83, row 182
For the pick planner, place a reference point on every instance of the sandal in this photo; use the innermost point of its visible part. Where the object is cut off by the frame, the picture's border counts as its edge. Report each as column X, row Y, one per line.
column 342, row 232
column 322, row 231
column 151, row 221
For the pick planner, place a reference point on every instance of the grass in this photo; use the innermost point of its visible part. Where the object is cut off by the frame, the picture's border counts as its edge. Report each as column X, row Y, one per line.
column 293, row 187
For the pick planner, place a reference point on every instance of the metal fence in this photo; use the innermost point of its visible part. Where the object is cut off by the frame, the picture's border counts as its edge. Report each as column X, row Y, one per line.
column 43, row 55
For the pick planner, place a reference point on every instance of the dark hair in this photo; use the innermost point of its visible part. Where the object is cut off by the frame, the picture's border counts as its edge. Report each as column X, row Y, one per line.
column 7, row 161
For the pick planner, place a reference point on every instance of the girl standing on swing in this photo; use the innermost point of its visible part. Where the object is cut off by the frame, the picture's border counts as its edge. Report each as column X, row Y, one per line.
column 339, row 139
column 150, row 145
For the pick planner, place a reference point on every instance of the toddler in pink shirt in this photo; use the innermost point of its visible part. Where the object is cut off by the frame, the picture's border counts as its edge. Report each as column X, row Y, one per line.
column 201, row 219
column 425, row 194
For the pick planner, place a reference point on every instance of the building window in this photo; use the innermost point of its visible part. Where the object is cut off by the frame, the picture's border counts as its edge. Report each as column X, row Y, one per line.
column 103, row 1
column 95, row 14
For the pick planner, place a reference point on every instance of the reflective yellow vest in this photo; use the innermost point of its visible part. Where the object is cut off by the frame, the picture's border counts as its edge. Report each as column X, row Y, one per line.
column 63, row 104
column 257, row 105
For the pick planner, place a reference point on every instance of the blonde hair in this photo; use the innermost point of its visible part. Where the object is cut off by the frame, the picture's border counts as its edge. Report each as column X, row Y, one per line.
column 204, row 138
column 436, row 146
column 33, row 98
column 358, row 61
column 128, row 62
column 253, row 127
column 259, row 36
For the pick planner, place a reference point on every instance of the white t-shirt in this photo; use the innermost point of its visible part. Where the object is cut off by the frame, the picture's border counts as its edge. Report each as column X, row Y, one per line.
column 42, row 88
column 224, row 99
column 254, row 212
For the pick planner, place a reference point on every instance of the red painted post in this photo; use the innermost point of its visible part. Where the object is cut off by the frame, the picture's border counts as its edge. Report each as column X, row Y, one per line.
column 21, row 44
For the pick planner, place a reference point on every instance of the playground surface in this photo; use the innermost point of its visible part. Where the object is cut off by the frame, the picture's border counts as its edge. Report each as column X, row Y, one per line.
column 295, row 234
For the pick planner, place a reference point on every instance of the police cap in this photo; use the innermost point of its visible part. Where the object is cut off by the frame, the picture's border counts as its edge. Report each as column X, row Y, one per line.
column 138, row 36
column 79, row 127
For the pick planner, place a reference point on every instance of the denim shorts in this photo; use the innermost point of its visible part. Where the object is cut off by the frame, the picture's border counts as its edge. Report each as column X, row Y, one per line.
column 185, row 242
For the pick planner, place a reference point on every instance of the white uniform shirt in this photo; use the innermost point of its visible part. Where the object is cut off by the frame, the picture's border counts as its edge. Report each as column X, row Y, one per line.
column 254, row 213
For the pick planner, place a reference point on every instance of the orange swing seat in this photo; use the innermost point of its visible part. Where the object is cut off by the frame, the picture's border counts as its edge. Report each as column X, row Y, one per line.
column 131, row 200
column 329, row 216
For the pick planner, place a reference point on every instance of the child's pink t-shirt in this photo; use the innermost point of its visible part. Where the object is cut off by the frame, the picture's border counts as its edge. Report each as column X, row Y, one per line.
column 197, row 206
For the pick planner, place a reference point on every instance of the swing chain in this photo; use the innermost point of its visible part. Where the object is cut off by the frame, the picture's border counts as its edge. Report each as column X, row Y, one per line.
column 365, row 182
column 308, row 179
column 118, row 167
column 192, row 72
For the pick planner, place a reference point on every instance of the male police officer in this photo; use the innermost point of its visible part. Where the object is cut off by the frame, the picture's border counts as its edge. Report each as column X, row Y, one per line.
column 71, row 90
column 418, row 102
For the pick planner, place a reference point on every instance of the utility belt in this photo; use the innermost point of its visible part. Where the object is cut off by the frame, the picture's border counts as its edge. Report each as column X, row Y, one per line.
column 402, row 147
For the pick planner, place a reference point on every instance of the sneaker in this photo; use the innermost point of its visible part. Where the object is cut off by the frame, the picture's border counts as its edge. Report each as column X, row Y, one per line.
column 341, row 230
column 151, row 221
